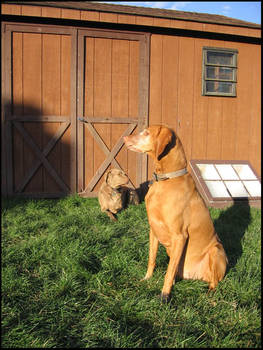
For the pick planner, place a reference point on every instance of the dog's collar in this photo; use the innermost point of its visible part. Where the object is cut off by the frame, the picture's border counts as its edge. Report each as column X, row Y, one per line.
column 161, row 177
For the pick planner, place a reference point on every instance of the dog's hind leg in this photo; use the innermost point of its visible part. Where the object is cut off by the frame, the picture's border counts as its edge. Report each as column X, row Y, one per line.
column 217, row 265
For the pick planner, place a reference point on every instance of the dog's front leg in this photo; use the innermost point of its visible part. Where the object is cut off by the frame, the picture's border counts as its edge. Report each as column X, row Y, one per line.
column 176, row 250
column 111, row 215
column 153, row 248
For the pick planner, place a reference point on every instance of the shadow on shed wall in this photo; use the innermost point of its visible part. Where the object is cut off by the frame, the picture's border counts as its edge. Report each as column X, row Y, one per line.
column 30, row 175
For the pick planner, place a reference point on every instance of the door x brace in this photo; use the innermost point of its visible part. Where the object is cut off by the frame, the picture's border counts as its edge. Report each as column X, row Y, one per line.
column 42, row 156
column 110, row 154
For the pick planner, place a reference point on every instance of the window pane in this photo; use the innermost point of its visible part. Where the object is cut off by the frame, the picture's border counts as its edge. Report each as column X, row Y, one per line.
column 244, row 172
column 236, row 188
column 226, row 172
column 217, row 189
column 216, row 86
column 208, row 172
column 220, row 73
column 224, row 58
column 254, row 188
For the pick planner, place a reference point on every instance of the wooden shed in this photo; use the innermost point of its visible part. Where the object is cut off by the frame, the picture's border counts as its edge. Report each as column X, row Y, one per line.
column 120, row 68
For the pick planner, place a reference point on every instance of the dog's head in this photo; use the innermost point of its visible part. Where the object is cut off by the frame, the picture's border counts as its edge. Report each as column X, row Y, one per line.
column 153, row 140
column 116, row 178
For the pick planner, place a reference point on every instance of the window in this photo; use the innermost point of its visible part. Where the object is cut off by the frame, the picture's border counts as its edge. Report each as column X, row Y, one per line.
column 225, row 181
column 219, row 71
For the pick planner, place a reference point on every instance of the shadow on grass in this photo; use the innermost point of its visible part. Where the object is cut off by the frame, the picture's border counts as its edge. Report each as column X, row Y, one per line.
column 129, row 323
column 8, row 203
column 231, row 226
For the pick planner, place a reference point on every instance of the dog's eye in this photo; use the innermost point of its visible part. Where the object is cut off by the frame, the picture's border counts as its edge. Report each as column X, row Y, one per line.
column 145, row 132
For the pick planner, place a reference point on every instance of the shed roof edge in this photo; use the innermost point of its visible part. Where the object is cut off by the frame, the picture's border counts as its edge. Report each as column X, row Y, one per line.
column 141, row 11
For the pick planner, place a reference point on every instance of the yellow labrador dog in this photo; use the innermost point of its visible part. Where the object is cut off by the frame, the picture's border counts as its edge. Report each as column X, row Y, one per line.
column 178, row 216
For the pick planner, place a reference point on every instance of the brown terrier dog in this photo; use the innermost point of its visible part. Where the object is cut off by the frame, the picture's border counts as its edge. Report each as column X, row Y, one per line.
column 178, row 216
column 114, row 195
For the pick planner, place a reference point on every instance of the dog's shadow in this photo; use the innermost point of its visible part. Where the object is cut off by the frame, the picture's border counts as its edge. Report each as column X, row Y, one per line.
column 142, row 190
column 231, row 226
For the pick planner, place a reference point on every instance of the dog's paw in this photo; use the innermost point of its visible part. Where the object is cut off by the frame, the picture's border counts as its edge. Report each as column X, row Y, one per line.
column 111, row 215
column 143, row 279
column 146, row 277
column 165, row 298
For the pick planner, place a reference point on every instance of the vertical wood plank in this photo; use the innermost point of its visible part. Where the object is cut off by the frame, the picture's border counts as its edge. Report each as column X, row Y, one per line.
column 32, row 49
column 89, row 108
column 244, row 93
column 32, row 75
column 102, row 96
column 255, row 111
column 200, row 123
column 214, row 120
column 3, row 100
column 7, row 111
column 73, row 111
column 185, row 93
column 133, row 79
column 17, row 65
column 65, row 92
column 144, row 59
column 229, row 122
column 172, row 77
column 51, row 101
column 120, row 93
column 156, row 78
column 214, row 128
column 17, row 105
column 133, row 102
column 80, row 111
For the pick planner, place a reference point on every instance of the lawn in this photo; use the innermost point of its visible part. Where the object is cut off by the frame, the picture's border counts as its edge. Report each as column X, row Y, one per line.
column 71, row 279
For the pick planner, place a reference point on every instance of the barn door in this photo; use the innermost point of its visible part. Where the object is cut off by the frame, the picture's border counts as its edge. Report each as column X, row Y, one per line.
column 40, row 110
column 113, row 75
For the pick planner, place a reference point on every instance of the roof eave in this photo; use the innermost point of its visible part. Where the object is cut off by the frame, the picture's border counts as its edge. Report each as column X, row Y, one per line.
column 141, row 11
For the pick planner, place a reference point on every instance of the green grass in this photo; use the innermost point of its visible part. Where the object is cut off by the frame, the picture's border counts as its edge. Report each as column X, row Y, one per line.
column 71, row 278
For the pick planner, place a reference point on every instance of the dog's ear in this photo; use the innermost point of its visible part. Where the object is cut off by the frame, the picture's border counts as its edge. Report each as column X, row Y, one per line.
column 163, row 139
column 107, row 176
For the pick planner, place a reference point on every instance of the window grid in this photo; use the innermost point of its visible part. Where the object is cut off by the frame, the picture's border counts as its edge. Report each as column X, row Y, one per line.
column 216, row 184
column 219, row 84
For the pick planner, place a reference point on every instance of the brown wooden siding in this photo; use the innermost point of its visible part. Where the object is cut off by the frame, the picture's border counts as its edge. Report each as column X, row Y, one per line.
column 41, row 111
column 46, row 87
column 210, row 127
column 44, row 11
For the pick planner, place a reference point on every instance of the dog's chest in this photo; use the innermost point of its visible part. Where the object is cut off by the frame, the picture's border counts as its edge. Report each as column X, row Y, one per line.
column 157, row 194
column 156, row 210
column 117, row 197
